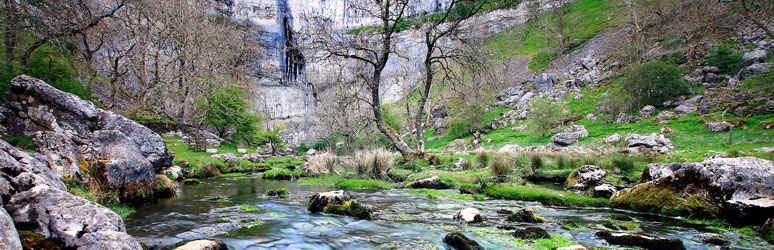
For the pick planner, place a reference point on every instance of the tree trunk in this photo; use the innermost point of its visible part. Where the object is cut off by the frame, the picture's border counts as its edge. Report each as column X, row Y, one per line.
column 383, row 127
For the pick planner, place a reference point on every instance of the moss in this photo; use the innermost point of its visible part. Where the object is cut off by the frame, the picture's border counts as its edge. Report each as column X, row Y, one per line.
column 246, row 207
column 544, row 196
column 191, row 181
column 277, row 174
column 525, row 215
column 230, row 175
column 281, row 192
column 350, row 208
column 32, row 240
column 648, row 198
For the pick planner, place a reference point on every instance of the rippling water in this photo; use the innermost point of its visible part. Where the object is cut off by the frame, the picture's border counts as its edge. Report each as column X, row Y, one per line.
column 212, row 209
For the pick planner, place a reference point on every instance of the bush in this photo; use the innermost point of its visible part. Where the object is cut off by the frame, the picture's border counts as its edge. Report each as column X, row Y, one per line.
column 467, row 121
column 373, row 164
column 226, row 109
column 727, row 60
column 544, row 115
column 654, row 83
column 623, row 162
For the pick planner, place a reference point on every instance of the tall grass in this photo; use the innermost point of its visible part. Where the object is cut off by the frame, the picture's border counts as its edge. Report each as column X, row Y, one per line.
column 483, row 156
column 372, row 164
column 502, row 164
column 320, row 163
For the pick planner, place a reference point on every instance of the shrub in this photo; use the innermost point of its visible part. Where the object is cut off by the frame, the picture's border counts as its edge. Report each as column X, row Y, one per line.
column 733, row 153
column 227, row 108
column 483, row 156
column 373, row 164
column 502, row 164
column 727, row 60
column 544, row 115
column 467, row 121
column 653, row 83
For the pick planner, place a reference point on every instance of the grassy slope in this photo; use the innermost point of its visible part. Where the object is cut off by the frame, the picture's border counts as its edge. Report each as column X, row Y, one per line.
column 585, row 19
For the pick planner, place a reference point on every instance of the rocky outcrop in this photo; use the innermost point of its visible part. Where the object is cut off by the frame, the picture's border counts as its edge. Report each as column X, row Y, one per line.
column 642, row 143
column 434, row 182
column 569, row 135
column 648, row 111
column 39, row 201
column 687, row 108
column 74, row 136
column 458, row 241
column 640, row 241
column 613, row 139
column 736, row 189
column 509, row 148
column 718, row 126
column 176, row 172
column 585, row 177
column 338, row 202
column 469, row 215
column 604, row 191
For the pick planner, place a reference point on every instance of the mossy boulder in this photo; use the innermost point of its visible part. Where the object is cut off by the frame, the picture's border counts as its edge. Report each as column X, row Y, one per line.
column 338, row 202
column 531, row 233
column 164, row 187
column 525, row 215
column 434, row 182
column 458, row 241
column 191, row 181
column 640, row 241
column 278, row 192
column 585, row 177
column 735, row 189
column 277, row 174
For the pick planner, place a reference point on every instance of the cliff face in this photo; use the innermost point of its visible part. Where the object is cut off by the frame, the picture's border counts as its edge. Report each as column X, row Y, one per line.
column 284, row 82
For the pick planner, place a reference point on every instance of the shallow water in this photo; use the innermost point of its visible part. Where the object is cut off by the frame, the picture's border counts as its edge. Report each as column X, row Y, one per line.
column 401, row 220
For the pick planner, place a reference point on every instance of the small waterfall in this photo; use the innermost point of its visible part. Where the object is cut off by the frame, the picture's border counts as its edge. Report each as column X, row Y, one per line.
column 291, row 58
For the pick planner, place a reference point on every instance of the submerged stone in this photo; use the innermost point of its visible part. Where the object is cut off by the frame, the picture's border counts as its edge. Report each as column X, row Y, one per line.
column 531, row 233
column 641, row 241
column 459, row 241
column 338, row 202
column 434, row 182
column 525, row 215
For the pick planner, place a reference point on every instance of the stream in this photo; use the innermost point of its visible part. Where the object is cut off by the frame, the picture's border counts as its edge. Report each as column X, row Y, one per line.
column 237, row 211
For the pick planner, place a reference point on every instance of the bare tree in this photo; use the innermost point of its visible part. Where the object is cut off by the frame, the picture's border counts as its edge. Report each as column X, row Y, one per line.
column 446, row 26
column 372, row 48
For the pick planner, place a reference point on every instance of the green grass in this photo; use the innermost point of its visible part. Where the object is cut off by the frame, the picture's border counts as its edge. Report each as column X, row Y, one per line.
column 22, row 142
column 438, row 193
column 278, row 174
column 121, row 209
column 230, row 175
column 454, row 179
column 320, row 180
column 544, row 196
column 363, row 184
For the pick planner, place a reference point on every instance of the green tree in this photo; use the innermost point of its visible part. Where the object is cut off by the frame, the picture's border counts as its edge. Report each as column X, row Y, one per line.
column 226, row 109
column 544, row 115
column 273, row 138
column 653, row 83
